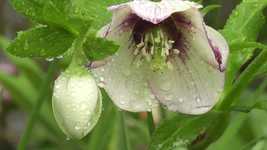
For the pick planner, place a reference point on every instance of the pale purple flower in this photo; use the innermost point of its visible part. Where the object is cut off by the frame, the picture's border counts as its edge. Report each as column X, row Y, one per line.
column 167, row 55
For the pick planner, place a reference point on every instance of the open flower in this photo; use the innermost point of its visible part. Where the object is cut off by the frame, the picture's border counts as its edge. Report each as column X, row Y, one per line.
column 167, row 55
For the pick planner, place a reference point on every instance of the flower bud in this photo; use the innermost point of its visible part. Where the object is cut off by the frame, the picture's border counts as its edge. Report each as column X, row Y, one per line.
column 77, row 103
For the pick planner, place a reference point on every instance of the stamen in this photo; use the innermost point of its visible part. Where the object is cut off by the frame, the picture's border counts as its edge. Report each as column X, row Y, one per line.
column 142, row 44
column 155, row 47
column 176, row 51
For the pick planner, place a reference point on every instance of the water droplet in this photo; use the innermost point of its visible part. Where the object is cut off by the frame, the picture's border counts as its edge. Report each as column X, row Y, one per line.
column 101, row 84
column 77, row 127
column 166, row 86
column 101, row 79
column 50, row 59
column 152, row 96
column 198, row 99
column 122, row 102
column 59, row 57
column 181, row 100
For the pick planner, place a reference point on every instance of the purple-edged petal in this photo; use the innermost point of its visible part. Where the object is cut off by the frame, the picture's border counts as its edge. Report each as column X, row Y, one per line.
column 118, row 30
column 156, row 12
column 194, row 83
column 208, row 43
column 191, row 86
column 219, row 45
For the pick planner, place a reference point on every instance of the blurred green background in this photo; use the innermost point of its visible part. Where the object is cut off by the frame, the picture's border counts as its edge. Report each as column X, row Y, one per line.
column 20, row 82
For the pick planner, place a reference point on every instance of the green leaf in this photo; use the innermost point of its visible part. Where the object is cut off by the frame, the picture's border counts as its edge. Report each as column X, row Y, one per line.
column 52, row 12
column 209, row 8
column 96, row 9
column 245, row 45
column 261, row 105
column 182, row 132
column 41, row 41
column 243, row 25
column 97, row 48
column 263, row 70
column 105, row 126
column 27, row 66
column 246, row 21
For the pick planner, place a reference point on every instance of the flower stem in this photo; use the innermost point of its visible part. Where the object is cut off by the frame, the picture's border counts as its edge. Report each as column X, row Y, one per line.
column 243, row 81
column 45, row 90
column 124, row 145
column 150, row 123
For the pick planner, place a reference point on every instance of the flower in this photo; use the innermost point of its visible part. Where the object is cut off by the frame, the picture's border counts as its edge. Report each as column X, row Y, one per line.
column 167, row 55
column 77, row 102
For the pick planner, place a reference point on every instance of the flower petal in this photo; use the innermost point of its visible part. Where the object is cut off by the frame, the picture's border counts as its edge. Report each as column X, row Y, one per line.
column 208, row 43
column 116, row 30
column 156, row 12
column 194, row 84
column 219, row 45
column 191, row 87
column 125, row 82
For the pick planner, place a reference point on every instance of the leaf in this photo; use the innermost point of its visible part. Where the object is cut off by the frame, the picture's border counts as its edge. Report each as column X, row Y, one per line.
column 246, row 21
column 52, row 12
column 244, row 45
column 243, row 25
column 27, row 66
column 97, row 48
column 105, row 126
column 96, row 9
column 41, row 41
column 261, row 105
column 182, row 132
column 209, row 8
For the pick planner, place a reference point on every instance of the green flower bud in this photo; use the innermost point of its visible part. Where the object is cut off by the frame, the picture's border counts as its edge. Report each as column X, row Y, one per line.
column 77, row 102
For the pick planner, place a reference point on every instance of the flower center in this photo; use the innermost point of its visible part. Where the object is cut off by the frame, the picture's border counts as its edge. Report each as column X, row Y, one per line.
column 155, row 46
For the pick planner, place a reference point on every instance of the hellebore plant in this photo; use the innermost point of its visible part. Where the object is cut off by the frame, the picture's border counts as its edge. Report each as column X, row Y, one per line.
column 167, row 54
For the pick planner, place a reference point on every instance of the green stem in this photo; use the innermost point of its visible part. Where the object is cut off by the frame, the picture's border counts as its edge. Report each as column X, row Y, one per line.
column 150, row 123
column 243, row 81
column 124, row 136
column 36, row 109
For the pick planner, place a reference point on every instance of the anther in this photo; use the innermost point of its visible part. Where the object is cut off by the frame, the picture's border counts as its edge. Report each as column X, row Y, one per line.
column 176, row 51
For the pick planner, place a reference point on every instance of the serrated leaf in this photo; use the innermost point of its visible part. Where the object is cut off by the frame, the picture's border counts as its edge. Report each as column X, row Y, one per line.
column 182, row 132
column 52, row 12
column 246, row 21
column 97, row 48
column 244, row 24
column 96, row 9
column 41, row 41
